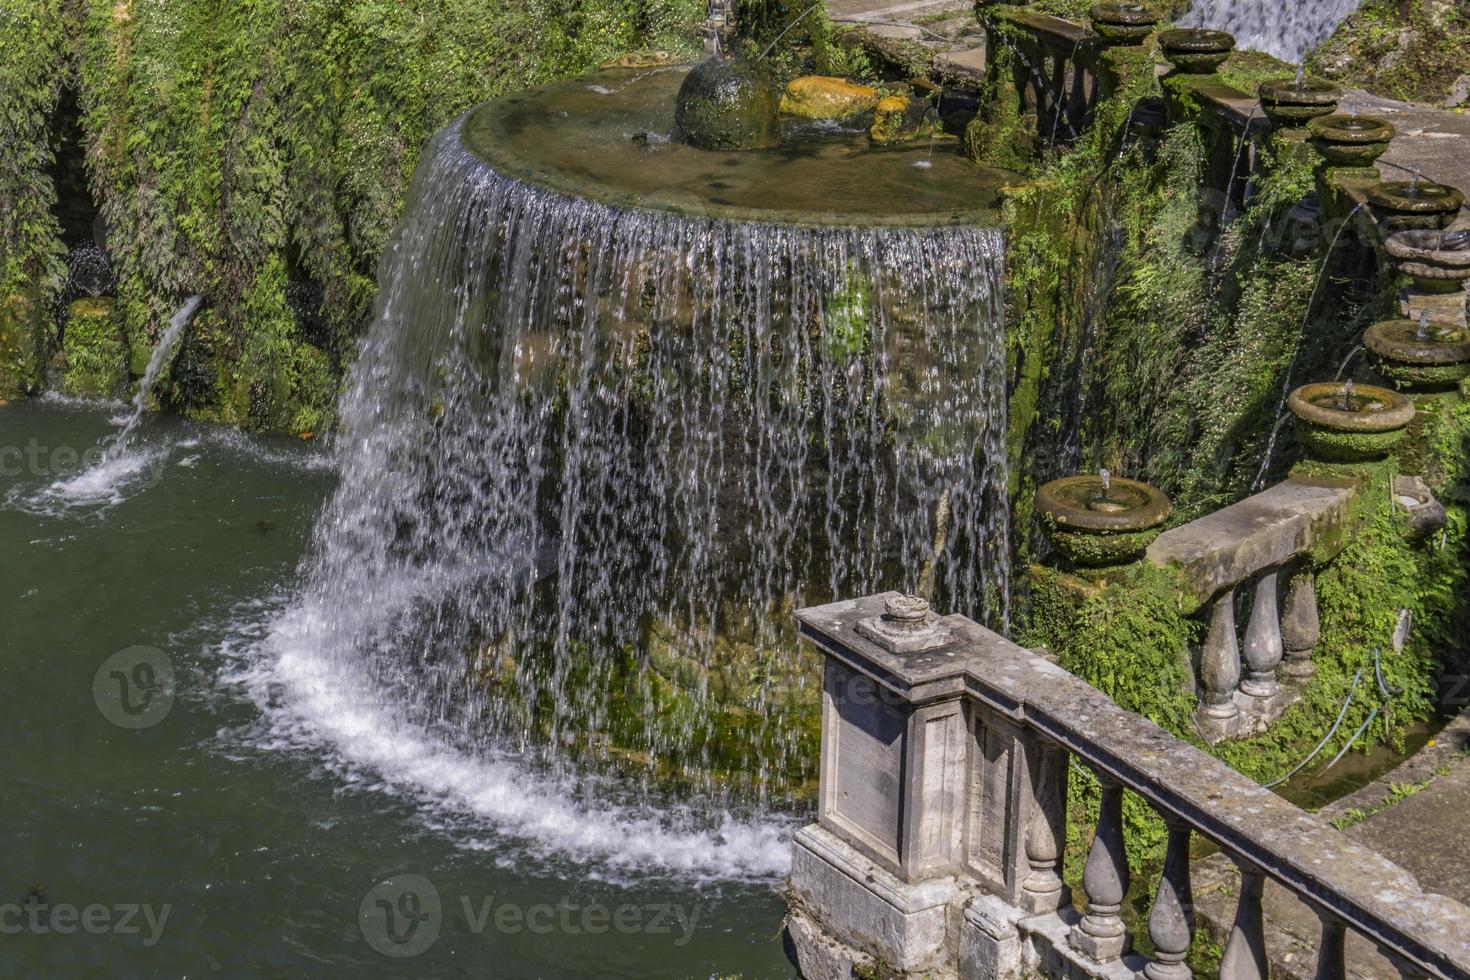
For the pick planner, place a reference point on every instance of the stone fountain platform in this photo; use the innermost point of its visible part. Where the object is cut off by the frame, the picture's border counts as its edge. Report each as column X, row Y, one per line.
column 1415, row 817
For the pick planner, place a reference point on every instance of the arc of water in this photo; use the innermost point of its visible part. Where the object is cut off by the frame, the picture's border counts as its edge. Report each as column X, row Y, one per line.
column 171, row 334
column 1266, row 457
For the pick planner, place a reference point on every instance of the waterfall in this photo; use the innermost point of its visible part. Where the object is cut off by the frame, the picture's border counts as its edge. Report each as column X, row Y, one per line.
column 1284, row 30
column 592, row 457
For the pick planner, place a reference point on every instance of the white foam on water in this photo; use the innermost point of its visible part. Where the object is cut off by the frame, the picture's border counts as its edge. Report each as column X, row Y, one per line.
column 313, row 698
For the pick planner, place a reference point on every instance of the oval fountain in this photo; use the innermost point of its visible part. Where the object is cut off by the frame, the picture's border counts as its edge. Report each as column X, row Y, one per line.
column 626, row 403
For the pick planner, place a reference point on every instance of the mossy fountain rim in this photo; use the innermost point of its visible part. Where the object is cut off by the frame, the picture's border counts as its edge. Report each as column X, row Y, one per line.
column 1098, row 520
column 1351, row 140
column 1342, row 421
column 1438, row 359
column 1196, row 50
column 609, row 137
column 1122, row 24
column 1296, row 101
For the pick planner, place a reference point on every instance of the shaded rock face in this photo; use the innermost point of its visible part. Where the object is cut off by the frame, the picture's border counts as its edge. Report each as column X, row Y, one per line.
column 725, row 105
column 824, row 97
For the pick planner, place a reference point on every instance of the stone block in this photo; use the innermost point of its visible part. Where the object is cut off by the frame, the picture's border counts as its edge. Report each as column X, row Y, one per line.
column 991, row 945
column 1229, row 546
column 861, row 905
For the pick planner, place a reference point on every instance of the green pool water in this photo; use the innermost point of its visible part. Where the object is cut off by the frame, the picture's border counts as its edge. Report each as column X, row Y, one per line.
column 211, row 840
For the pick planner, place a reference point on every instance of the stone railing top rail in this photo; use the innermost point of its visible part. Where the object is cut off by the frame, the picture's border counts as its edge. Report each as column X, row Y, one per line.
column 1227, row 547
column 1340, row 877
column 1239, row 111
column 1050, row 30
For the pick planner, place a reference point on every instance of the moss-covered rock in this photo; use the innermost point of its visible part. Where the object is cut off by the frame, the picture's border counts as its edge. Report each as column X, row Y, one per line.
column 1412, row 51
column 22, row 346
column 727, row 105
column 95, row 354
column 900, row 119
column 824, row 97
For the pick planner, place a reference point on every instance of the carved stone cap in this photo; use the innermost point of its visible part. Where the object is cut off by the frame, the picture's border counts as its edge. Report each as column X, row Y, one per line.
column 907, row 625
column 1421, row 197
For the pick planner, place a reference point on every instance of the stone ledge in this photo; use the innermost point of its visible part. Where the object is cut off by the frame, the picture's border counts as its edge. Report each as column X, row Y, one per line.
column 1229, row 546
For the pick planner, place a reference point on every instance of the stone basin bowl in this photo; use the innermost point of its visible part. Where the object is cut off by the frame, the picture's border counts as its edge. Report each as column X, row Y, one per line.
column 1351, row 141
column 1096, row 523
column 1404, row 205
column 1289, row 103
column 1196, row 50
column 1437, row 361
column 1422, row 256
column 1370, row 427
column 1120, row 24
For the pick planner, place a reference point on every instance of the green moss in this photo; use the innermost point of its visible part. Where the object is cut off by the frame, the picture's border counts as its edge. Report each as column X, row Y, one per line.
column 23, row 345
column 1402, row 49
column 95, row 353
column 1330, row 444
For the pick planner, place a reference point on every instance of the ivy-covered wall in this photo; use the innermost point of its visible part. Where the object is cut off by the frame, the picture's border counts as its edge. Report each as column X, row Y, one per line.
column 1156, row 325
column 256, row 152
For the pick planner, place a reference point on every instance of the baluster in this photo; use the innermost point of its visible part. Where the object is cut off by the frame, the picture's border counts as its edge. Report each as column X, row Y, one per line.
column 1220, row 669
column 1332, row 953
column 1300, row 626
column 1263, row 647
column 1171, row 922
column 1101, row 934
column 1245, row 953
column 1043, row 890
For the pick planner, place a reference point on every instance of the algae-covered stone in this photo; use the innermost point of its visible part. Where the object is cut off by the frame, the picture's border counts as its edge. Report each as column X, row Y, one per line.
column 824, row 97
column 95, row 354
column 898, row 119
column 727, row 105
column 22, row 355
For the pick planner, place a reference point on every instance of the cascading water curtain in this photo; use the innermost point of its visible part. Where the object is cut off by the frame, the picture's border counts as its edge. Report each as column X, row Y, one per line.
column 1285, row 29
column 593, row 458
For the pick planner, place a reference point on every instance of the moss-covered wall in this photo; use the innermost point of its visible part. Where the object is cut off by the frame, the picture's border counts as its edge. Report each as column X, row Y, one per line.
column 237, row 147
column 1156, row 325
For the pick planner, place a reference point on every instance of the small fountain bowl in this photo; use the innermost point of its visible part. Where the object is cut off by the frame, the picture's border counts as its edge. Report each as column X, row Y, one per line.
column 1096, row 527
column 1196, row 50
column 1289, row 104
column 1351, row 141
column 1370, row 428
column 1422, row 257
column 1121, row 24
column 1405, row 205
column 1435, row 362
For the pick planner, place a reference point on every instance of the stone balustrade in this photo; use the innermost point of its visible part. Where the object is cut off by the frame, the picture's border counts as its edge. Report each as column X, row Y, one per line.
column 943, row 816
column 1265, row 548
column 1054, row 74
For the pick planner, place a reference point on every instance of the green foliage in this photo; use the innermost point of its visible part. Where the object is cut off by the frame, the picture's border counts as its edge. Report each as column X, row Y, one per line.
column 1403, row 49
column 94, row 352
column 236, row 145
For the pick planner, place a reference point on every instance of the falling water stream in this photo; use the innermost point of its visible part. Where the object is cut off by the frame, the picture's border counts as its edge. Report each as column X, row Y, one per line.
column 592, row 458
column 1284, row 30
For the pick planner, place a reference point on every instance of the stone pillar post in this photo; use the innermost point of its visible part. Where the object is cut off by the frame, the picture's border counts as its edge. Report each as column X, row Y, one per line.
column 1263, row 652
column 1218, row 714
column 1102, row 934
column 1300, row 627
